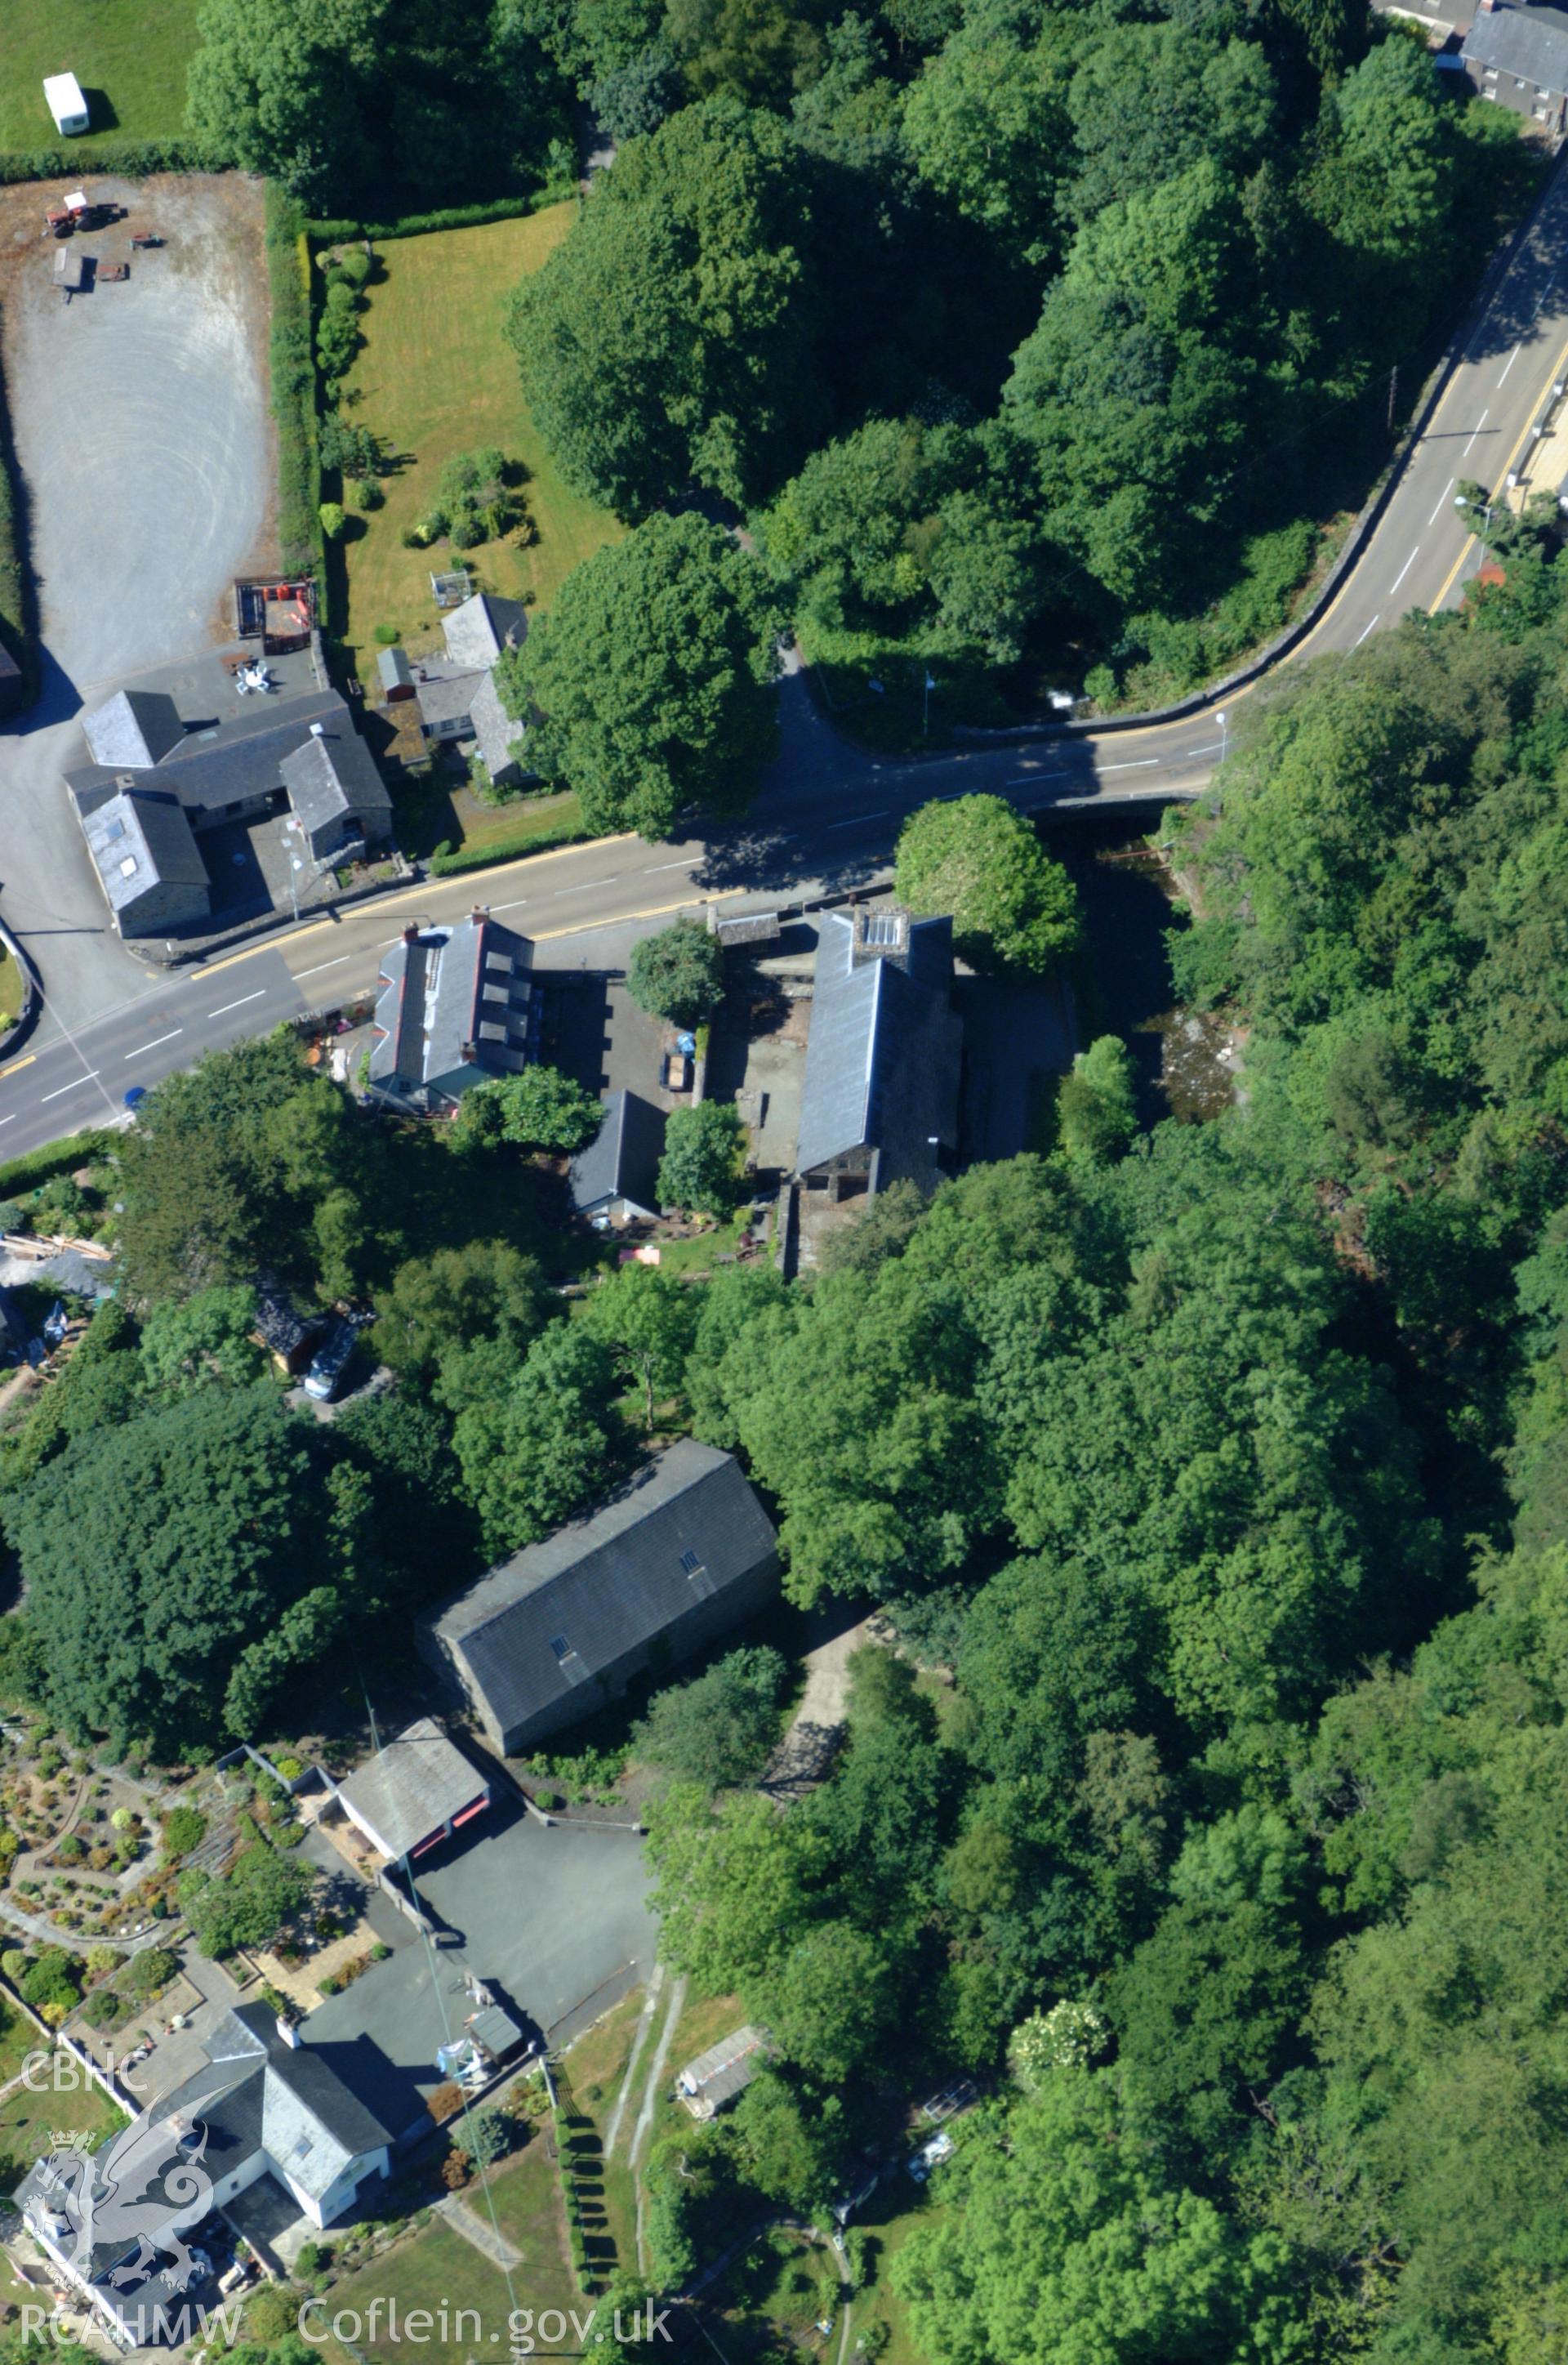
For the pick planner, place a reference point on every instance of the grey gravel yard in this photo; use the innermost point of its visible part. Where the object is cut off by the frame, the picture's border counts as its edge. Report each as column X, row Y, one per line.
column 139, row 415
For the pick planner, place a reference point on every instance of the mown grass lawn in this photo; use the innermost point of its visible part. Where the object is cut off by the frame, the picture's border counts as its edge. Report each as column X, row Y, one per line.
column 434, row 2270
column 29, row 2120
column 129, row 57
column 435, row 378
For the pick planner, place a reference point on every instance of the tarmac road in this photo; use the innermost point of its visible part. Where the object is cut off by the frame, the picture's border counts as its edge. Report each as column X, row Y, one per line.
column 829, row 814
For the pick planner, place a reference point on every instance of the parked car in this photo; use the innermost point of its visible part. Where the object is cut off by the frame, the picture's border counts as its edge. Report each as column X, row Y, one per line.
column 931, row 2156
column 330, row 1363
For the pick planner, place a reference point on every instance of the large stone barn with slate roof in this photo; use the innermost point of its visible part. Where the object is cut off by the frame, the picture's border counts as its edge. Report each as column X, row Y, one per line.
column 683, row 1551
column 883, row 1058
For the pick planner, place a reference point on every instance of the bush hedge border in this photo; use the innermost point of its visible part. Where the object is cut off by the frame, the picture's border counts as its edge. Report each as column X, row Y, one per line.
column 36, row 1166
column 332, row 231
column 134, row 158
column 446, row 864
column 292, row 364
column 18, row 612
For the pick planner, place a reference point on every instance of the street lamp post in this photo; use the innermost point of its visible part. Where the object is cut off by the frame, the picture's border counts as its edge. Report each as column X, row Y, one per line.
column 1461, row 503
column 1224, row 734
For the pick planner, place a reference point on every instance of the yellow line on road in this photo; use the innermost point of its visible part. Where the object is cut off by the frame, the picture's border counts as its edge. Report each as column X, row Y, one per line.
column 292, row 939
column 1498, row 487
column 625, row 919
column 28, row 1063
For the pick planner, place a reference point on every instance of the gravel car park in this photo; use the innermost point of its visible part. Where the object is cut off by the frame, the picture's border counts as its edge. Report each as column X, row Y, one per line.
column 139, row 415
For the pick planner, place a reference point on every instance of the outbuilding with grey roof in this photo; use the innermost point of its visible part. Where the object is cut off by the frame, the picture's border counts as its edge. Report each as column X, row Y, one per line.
column 414, row 1792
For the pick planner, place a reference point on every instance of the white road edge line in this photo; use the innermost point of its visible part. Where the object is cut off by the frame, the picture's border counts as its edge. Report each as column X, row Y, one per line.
column 857, row 819
column 91, row 1077
column 258, row 995
column 1360, row 637
column 1475, row 431
column 322, row 965
column 156, row 1040
column 1405, row 570
column 1447, row 490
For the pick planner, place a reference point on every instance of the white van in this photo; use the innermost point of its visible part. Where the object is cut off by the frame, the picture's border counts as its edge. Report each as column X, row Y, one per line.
column 66, row 104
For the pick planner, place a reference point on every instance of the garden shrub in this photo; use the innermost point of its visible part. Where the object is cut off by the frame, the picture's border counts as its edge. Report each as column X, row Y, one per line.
column 293, row 380
column 183, row 1828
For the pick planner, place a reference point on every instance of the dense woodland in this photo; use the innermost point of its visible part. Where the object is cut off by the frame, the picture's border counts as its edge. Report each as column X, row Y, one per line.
column 1034, row 343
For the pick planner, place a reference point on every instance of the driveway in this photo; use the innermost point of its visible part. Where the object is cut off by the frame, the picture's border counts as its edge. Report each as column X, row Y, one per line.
column 555, row 1922
column 139, row 415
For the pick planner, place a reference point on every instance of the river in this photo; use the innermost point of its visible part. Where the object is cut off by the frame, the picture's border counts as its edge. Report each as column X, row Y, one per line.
column 1129, row 897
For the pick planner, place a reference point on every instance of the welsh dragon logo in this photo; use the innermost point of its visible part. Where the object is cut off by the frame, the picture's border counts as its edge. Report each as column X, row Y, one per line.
column 134, row 2201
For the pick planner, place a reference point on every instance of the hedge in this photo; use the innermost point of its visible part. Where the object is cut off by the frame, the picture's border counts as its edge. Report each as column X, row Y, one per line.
column 134, row 158
column 36, row 1166
column 293, row 366
column 446, row 864
column 16, row 591
column 329, row 233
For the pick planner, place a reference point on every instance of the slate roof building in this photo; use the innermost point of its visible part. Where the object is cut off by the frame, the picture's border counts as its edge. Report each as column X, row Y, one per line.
column 300, row 753
column 454, row 1007
column 446, row 694
column 147, row 862
column 680, row 1553
column 615, row 1180
column 136, row 727
column 497, row 735
column 415, row 1792
column 338, row 796
column 457, row 694
column 395, row 673
column 881, row 1099
column 288, row 1335
column 1519, row 57
column 264, row 2105
column 477, row 632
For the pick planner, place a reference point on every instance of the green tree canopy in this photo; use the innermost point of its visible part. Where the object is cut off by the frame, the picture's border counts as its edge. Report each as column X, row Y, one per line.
column 716, row 1729
column 158, row 1550
column 539, row 1109
column 228, row 1168
column 700, row 1167
column 646, row 1319
column 670, row 340
column 1073, row 2239
column 537, row 1441
column 1012, row 907
column 652, row 677
column 677, row 974
column 1097, row 1101
column 454, row 1298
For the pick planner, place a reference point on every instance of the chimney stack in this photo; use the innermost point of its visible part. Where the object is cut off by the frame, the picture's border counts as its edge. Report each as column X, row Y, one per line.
column 410, row 934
